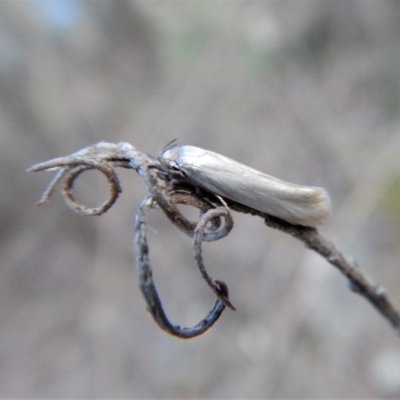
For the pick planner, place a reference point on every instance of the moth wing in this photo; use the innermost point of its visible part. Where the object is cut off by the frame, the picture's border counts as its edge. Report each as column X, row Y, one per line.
column 302, row 205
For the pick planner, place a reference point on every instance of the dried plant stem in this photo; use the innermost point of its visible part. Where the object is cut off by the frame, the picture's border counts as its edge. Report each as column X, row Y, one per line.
column 149, row 290
column 166, row 190
column 359, row 282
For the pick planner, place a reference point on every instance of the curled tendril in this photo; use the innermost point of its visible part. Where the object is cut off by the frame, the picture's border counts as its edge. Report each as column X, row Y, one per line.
column 214, row 229
column 73, row 173
column 102, row 156
column 197, row 241
column 214, row 223
column 209, row 227
column 149, row 290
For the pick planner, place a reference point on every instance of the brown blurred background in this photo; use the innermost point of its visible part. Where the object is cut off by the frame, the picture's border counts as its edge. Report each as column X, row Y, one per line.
column 308, row 91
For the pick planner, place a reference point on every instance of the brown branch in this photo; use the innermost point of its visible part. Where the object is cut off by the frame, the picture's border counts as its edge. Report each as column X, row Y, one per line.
column 359, row 282
column 167, row 189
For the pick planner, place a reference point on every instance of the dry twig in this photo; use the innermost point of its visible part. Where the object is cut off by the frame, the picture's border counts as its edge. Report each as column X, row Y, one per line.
column 166, row 190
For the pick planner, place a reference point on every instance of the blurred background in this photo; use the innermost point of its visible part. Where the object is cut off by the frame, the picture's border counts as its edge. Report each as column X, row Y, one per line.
column 308, row 91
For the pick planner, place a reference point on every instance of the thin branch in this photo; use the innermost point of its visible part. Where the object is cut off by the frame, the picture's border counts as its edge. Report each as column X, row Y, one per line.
column 167, row 189
column 359, row 282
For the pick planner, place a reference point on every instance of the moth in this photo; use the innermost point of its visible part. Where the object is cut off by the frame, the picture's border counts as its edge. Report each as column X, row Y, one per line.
column 299, row 205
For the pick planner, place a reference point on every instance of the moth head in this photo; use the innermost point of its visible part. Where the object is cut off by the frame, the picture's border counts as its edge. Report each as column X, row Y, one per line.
column 169, row 159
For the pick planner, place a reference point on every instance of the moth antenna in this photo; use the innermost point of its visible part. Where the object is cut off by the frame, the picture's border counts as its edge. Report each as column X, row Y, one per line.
column 170, row 145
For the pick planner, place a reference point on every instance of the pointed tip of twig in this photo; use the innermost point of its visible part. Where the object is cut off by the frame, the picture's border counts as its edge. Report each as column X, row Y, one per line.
column 55, row 164
column 42, row 167
column 40, row 202
column 222, row 288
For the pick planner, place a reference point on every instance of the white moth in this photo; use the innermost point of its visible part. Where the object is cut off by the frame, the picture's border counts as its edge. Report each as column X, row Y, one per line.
column 302, row 205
